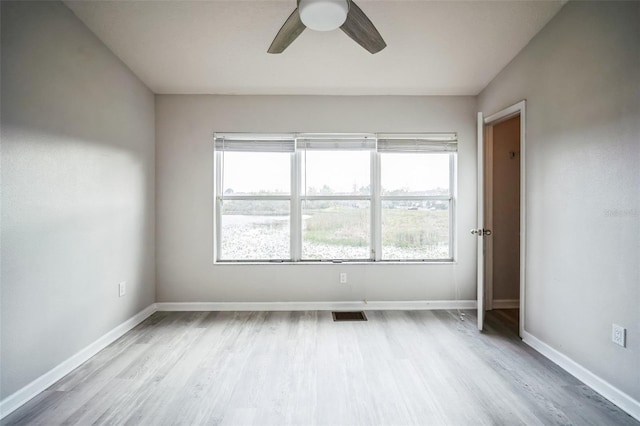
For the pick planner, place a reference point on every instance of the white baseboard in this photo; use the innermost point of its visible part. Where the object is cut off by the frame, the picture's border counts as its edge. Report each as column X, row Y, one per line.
column 604, row 388
column 505, row 304
column 22, row 396
column 318, row 306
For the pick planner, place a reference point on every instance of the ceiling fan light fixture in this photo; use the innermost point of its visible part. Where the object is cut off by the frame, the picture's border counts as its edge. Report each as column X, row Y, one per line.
column 323, row 15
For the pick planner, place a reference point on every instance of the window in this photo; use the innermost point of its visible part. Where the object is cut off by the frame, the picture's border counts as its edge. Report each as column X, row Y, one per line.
column 254, row 199
column 416, row 199
column 336, row 197
column 310, row 197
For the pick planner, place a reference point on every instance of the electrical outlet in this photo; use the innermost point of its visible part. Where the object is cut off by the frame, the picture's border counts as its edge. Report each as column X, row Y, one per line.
column 343, row 277
column 122, row 289
column 618, row 335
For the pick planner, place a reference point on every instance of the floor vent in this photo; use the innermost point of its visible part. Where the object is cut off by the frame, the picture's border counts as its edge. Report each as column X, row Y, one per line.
column 349, row 316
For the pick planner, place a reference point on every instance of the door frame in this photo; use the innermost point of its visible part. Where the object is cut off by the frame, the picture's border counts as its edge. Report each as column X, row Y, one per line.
column 488, row 214
column 489, row 121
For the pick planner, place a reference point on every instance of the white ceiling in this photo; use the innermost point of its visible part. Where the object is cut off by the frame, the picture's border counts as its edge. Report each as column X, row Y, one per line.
column 220, row 47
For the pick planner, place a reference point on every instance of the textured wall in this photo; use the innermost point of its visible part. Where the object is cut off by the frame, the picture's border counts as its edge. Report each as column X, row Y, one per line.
column 185, row 127
column 77, row 190
column 581, row 78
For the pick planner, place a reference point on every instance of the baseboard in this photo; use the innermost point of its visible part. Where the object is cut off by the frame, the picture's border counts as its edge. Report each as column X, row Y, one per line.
column 22, row 396
column 604, row 388
column 318, row 306
column 505, row 304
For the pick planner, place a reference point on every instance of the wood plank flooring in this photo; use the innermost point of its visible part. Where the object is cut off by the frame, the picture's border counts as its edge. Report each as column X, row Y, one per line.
column 301, row 368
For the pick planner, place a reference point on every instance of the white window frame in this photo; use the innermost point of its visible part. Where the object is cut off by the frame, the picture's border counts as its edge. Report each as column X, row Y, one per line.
column 220, row 197
column 425, row 142
column 337, row 142
column 448, row 198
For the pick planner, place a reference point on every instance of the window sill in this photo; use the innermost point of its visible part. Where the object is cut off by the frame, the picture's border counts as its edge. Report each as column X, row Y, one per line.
column 354, row 262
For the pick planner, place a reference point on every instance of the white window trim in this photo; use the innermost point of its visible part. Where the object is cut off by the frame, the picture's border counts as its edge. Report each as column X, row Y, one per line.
column 444, row 143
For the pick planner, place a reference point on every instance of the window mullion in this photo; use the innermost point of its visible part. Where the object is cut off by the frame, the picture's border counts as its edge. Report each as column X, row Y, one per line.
column 453, row 194
column 217, row 204
column 338, row 197
column 416, row 197
column 257, row 197
column 376, row 207
column 296, row 209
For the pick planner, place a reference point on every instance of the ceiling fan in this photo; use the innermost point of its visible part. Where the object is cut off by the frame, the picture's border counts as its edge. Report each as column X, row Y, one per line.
column 327, row 15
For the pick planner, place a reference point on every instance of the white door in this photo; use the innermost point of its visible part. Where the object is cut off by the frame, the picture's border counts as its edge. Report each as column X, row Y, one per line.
column 479, row 231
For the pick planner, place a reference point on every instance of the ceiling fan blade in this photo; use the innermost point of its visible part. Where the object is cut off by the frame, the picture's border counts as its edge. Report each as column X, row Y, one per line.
column 361, row 30
column 290, row 30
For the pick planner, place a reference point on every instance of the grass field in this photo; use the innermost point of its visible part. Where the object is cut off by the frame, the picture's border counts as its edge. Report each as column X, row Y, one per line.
column 337, row 229
column 344, row 224
column 400, row 227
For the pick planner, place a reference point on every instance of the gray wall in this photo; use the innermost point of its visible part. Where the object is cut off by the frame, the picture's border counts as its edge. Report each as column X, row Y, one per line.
column 184, row 131
column 77, row 190
column 581, row 78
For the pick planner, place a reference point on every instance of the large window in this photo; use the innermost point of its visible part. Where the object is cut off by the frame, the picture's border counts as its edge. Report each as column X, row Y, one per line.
column 309, row 197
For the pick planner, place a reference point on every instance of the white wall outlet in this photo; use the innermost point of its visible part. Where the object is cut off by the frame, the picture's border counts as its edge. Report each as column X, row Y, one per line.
column 343, row 277
column 619, row 335
column 122, row 289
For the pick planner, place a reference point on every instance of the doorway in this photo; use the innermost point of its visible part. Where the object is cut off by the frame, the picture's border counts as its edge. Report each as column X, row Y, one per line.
column 502, row 216
column 502, row 210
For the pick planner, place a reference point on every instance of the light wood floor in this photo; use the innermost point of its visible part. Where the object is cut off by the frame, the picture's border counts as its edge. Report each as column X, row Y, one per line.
column 281, row 368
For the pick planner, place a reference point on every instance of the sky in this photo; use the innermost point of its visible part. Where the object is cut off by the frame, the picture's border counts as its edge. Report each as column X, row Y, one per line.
column 248, row 172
